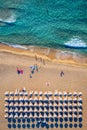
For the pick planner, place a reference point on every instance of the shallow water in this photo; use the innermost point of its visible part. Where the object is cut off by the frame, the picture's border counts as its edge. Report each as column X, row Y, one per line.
column 48, row 23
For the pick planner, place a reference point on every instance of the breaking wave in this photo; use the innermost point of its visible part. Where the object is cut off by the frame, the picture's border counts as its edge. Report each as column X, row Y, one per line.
column 76, row 43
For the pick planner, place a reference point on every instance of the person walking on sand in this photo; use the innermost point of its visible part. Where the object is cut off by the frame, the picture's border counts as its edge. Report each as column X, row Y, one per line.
column 61, row 73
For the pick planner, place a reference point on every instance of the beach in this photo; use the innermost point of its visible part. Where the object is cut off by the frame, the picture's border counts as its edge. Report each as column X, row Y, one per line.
column 50, row 66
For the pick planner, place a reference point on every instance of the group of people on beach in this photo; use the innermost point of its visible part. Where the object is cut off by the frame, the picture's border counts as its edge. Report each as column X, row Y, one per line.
column 40, row 59
column 34, row 68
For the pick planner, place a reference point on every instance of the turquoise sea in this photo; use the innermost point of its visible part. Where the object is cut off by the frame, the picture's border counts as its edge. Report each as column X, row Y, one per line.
column 59, row 24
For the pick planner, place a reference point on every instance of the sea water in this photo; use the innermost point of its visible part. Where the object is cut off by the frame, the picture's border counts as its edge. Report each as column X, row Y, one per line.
column 60, row 24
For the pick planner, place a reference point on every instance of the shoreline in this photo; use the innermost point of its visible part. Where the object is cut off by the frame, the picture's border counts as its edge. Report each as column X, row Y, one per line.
column 47, row 54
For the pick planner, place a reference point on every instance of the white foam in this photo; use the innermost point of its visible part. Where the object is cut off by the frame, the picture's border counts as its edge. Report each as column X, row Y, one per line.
column 11, row 19
column 76, row 42
column 19, row 46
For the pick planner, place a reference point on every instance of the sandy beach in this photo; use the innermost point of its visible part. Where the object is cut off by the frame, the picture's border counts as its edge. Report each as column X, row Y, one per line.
column 49, row 68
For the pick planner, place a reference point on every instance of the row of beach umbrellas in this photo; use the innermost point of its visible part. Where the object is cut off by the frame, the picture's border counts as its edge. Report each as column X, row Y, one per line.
column 23, row 92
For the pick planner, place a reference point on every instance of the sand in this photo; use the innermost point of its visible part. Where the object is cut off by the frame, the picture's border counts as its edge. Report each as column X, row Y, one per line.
column 74, row 79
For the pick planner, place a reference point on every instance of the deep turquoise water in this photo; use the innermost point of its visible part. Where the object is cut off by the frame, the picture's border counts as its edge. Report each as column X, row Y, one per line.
column 58, row 24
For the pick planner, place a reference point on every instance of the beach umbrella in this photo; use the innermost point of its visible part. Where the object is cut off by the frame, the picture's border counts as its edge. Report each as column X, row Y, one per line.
column 21, row 115
column 6, row 99
column 75, row 94
column 35, row 104
column 6, row 104
column 25, row 93
column 45, row 104
column 50, row 93
column 55, row 104
column 31, row 100
column 74, row 104
column 50, row 99
column 31, row 93
column 45, row 93
column 16, row 115
column 21, row 99
column 74, row 99
column 26, row 104
column 16, row 110
column 6, row 110
column 16, row 99
column 55, row 99
column 55, row 110
column 70, row 110
column 11, row 110
column 11, row 94
column 64, row 104
column 11, row 115
column 6, row 93
column 6, row 115
column 30, row 104
column 64, row 115
column 60, row 99
column 80, row 94
column 80, row 99
column 74, row 109
column 70, row 99
column 55, row 93
column 45, row 110
column 25, row 115
column 79, row 104
column 16, row 92
column 21, row 93
column 59, row 104
column 65, row 99
column 30, row 110
column 60, row 93
column 36, row 93
column 40, row 93
column 69, row 94
column 65, row 93
column 40, row 104
column 16, row 104
column 40, row 99
column 20, row 104
column 60, row 110
column 26, row 99
column 45, row 99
